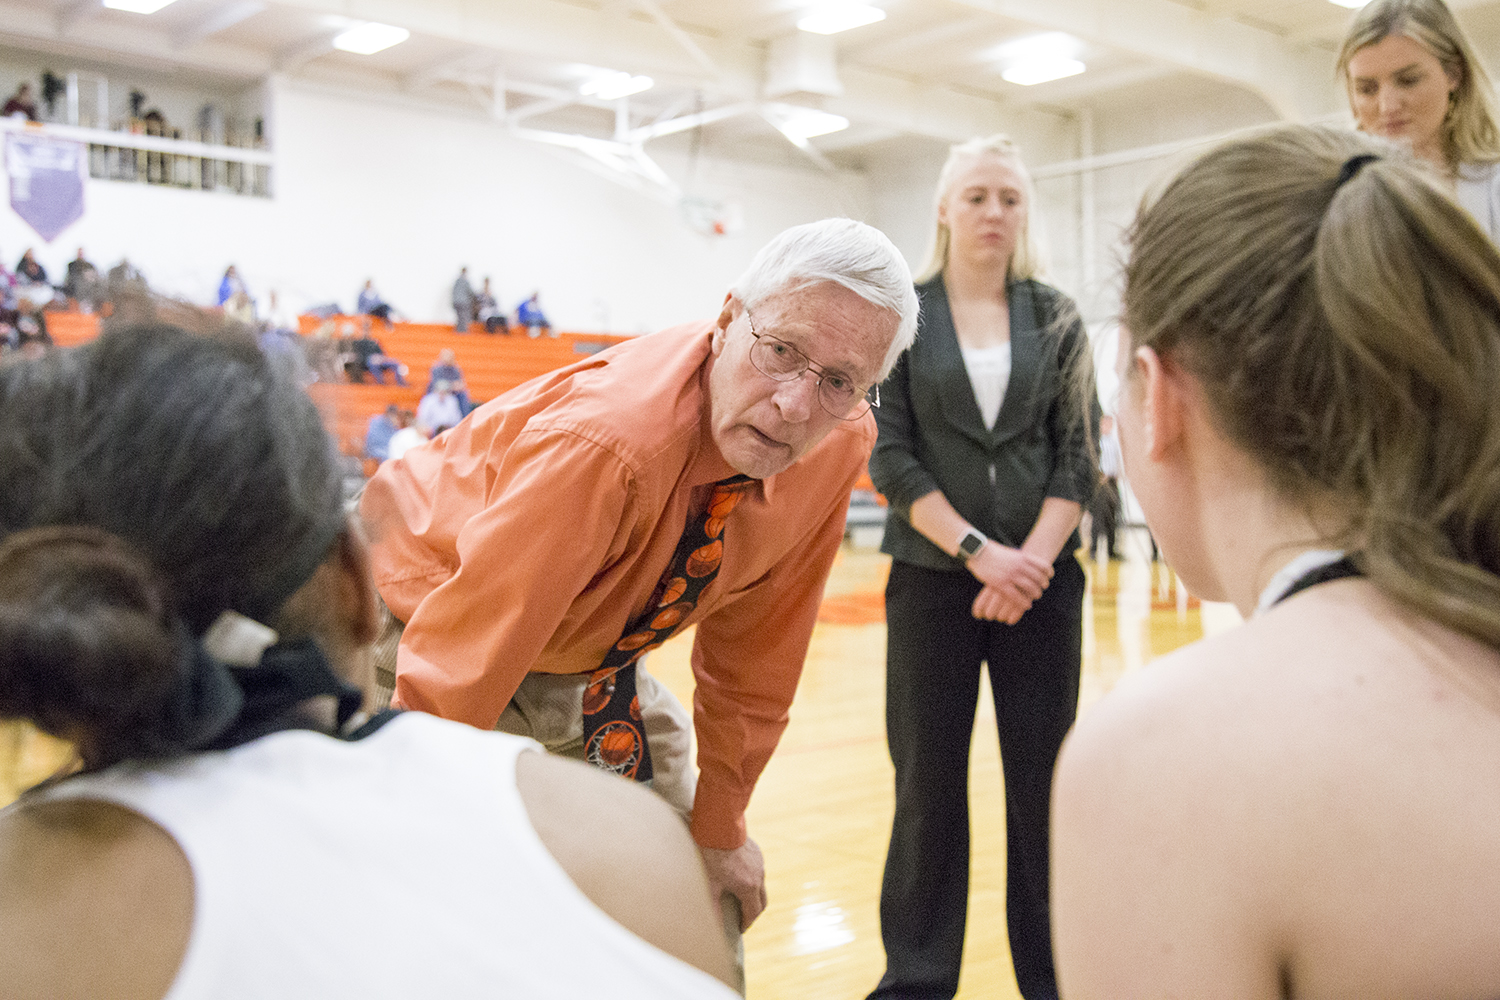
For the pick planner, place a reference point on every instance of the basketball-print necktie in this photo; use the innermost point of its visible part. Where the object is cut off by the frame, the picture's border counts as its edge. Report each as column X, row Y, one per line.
column 613, row 736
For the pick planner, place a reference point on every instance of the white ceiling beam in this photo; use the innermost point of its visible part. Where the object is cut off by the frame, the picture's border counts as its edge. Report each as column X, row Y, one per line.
column 222, row 18
column 681, row 37
column 294, row 57
column 29, row 26
column 1075, row 90
column 964, row 28
column 558, row 31
column 682, row 123
column 76, row 12
column 451, row 65
column 1297, row 81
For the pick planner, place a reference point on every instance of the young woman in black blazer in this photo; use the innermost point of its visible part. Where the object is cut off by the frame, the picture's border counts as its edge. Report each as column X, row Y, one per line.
column 985, row 456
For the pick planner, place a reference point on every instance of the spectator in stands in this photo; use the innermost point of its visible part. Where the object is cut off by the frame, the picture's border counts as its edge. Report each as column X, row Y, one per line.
column 279, row 336
column 439, row 409
column 529, row 314
column 82, row 283
column 446, row 370
column 463, row 302
column 32, row 337
column 21, row 104
column 371, row 304
column 370, row 357
column 323, row 354
column 278, row 317
column 382, row 427
column 32, row 290
column 240, row 309
column 29, row 270
column 229, row 285
column 409, row 436
column 124, row 279
column 488, row 311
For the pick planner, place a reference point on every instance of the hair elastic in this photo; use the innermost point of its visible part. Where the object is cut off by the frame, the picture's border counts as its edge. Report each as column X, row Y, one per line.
column 1352, row 166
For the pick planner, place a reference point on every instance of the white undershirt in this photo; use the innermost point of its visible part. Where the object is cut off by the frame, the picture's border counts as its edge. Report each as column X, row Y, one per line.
column 989, row 373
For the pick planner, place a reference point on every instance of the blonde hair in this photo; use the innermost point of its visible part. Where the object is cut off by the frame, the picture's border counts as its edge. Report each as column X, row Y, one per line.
column 1026, row 261
column 1346, row 331
column 1469, row 131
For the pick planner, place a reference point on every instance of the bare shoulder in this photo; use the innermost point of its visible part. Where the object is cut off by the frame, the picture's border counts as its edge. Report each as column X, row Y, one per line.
column 95, row 901
column 650, row 880
column 1284, row 804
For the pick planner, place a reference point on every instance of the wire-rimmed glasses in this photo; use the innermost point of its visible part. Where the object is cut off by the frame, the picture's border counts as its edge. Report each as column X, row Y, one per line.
column 783, row 362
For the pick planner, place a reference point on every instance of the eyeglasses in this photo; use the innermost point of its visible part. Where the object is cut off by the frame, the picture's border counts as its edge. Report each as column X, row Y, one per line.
column 837, row 394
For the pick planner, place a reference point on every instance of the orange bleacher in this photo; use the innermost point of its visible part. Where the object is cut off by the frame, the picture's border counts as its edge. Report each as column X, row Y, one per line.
column 491, row 364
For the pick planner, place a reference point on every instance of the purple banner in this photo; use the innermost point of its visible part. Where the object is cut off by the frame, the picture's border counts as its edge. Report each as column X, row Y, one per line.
column 46, row 182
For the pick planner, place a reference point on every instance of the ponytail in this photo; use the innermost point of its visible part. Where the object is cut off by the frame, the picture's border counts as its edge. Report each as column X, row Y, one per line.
column 1346, row 326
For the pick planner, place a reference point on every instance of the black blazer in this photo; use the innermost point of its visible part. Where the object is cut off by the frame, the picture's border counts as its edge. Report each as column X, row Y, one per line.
column 932, row 436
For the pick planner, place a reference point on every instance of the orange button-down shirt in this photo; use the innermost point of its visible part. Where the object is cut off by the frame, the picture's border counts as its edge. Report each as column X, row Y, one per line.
column 530, row 535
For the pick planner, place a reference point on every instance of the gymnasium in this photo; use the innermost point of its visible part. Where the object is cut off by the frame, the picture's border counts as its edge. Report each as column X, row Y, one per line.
column 466, row 195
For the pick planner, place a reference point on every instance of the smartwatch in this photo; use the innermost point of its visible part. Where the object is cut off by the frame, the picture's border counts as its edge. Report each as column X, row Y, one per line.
column 970, row 544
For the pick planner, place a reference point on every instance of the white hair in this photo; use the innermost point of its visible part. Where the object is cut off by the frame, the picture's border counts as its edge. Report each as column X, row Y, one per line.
column 859, row 257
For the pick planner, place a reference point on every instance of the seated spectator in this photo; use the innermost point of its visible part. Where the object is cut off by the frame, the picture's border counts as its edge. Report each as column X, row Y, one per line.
column 488, row 311
column 29, row 270
column 278, row 317
column 225, row 833
column 82, row 283
column 20, row 105
column 229, row 285
column 379, row 432
column 439, row 409
column 447, row 370
column 32, row 338
column 323, row 351
column 371, row 304
column 240, row 309
column 124, row 279
column 409, row 436
column 369, row 356
column 529, row 314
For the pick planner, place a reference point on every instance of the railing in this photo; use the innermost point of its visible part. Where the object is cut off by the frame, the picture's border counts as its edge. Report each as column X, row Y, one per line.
column 170, row 162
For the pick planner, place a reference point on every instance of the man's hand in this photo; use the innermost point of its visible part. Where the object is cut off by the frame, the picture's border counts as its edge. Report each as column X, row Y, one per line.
column 1012, row 578
column 740, row 872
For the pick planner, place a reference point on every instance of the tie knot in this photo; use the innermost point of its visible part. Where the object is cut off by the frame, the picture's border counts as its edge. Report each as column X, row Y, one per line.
column 727, row 494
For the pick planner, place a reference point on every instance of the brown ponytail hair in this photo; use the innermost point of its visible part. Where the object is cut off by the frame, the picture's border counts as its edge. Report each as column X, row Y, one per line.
column 1346, row 330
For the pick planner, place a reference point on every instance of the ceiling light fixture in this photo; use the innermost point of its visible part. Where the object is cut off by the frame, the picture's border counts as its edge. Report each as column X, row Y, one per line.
column 831, row 18
column 369, row 38
column 801, row 124
column 137, row 6
column 613, row 86
column 1351, row 4
column 1030, row 72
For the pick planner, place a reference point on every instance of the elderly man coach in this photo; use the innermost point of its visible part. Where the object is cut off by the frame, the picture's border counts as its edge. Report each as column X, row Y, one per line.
column 699, row 475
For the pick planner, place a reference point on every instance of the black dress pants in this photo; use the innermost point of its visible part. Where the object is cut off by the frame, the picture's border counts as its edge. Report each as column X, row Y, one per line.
column 935, row 648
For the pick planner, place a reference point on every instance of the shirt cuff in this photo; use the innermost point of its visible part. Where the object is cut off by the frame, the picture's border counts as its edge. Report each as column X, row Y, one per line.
column 717, row 822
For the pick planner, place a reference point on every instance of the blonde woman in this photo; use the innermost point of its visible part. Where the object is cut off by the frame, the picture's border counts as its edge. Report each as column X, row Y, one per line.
column 985, row 457
column 1308, row 806
column 1413, row 77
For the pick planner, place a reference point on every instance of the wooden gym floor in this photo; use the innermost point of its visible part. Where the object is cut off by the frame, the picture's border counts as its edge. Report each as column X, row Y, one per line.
column 822, row 811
